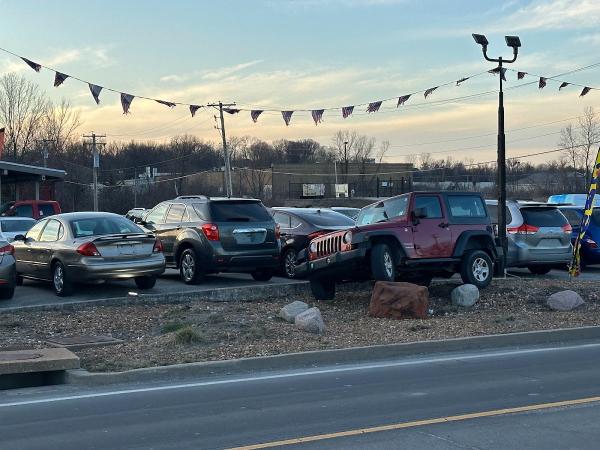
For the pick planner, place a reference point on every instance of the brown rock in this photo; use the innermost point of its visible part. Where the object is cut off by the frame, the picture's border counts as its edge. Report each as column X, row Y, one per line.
column 399, row 300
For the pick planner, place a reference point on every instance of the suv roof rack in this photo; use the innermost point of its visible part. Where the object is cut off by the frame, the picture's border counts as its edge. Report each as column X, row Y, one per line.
column 186, row 197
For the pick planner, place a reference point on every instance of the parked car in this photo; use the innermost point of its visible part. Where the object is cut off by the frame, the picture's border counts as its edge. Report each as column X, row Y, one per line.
column 88, row 247
column 8, row 274
column 347, row 211
column 136, row 214
column 590, row 244
column 300, row 225
column 539, row 235
column 36, row 209
column 11, row 226
column 203, row 235
column 410, row 237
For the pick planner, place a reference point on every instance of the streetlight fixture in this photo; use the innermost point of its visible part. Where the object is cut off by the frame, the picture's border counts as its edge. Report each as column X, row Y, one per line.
column 515, row 43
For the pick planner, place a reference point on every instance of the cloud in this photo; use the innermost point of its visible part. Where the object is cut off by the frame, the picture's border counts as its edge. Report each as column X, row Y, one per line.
column 212, row 74
column 555, row 14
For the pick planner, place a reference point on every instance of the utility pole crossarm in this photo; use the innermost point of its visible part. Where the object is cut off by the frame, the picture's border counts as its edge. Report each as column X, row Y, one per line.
column 96, row 162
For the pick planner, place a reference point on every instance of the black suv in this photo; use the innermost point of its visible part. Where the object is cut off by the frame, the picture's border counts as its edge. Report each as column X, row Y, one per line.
column 202, row 235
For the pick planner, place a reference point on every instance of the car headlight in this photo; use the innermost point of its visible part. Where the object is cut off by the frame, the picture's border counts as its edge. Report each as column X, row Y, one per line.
column 348, row 237
column 313, row 247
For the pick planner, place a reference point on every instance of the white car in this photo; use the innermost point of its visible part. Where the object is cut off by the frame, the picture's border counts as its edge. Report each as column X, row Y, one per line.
column 12, row 226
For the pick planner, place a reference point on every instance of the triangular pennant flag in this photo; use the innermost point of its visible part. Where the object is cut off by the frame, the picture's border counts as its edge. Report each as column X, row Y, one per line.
column 164, row 102
column 59, row 78
column 194, row 108
column 521, row 75
column 95, row 90
column 403, row 99
column 562, row 85
column 374, row 106
column 500, row 70
column 585, row 90
column 287, row 116
column 503, row 73
column 126, row 100
column 317, row 115
column 542, row 83
column 429, row 91
column 255, row 113
column 347, row 111
column 35, row 66
column 461, row 80
column 231, row 110
column 494, row 71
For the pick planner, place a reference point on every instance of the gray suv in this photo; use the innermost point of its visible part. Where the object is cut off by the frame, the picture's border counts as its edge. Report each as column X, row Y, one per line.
column 202, row 235
column 539, row 235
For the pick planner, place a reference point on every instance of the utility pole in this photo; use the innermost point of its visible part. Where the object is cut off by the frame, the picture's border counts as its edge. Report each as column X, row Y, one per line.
column 94, row 137
column 228, row 182
column 135, row 187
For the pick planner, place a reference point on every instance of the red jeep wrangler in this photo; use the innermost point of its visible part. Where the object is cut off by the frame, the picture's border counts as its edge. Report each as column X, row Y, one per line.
column 412, row 237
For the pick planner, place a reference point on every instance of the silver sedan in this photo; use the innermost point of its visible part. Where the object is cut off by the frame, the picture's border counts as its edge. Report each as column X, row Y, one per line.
column 88, row 247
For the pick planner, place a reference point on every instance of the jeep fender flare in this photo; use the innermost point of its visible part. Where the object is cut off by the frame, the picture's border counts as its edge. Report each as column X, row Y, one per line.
column 384, row 237
column 475, row 239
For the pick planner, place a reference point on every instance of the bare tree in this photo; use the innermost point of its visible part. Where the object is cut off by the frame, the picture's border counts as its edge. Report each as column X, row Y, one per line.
column 589, row 135
column 60, row 124
column 22, row 110
column 569, row 142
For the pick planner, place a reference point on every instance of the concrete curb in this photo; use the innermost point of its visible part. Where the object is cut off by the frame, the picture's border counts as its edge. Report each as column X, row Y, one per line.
column 226, row 294
column 332, row 357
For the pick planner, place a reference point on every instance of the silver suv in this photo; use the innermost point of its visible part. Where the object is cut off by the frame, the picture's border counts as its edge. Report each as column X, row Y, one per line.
column 539, row 235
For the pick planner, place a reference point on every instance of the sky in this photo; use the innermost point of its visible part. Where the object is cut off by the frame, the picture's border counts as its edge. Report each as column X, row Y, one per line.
column 313, row 54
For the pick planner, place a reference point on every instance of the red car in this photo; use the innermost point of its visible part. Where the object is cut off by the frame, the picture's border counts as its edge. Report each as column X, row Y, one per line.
column 411, row 237
column 36, row 209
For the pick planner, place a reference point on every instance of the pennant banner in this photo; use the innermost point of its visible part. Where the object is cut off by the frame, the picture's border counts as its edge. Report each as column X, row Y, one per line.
column 575, row 266
column 542, row 83
column 347, row 111
column 402, row 100
column 500, row 70
column 194, row 108
column 429, row 91
column 585, row 90
column 35, row 66
column 461, row 80
column 317, row 115
column 255, row 113
column 169, row 104
column 95, row 90
column 59, row 78
column 126, row 100
column 231, row 110
column 374, row 106
column 564, row 84
column 287, row 116
column 521, row 75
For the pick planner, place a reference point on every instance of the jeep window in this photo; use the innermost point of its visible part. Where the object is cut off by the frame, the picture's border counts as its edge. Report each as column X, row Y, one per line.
column 431, row 205
column 543, row 217
column 24, row 211
column 239, row 211
column 46, row 209
column 493, row 211
column 382, row 211
column 466, row 206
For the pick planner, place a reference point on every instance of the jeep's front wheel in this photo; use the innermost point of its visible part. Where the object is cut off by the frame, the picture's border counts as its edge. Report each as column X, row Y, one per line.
column 476, row 268
column 382, row 263
column 322, row 288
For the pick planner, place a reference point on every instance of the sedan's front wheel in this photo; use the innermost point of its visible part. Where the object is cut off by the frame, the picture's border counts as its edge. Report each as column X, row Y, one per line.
column 62, row 286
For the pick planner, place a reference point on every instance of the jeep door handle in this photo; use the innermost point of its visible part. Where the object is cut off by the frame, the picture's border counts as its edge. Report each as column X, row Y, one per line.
column 443, row 225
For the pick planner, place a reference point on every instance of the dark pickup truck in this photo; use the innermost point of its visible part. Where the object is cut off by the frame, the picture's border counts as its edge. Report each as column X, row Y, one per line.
column 411, row 237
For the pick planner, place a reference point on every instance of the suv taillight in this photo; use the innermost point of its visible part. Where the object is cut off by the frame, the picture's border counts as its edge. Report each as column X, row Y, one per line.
column 88, row 249
column 7, row 250
column 211, row 231
column 567, row 228
column 158, row 247
column 523, row 229
column 277, row 231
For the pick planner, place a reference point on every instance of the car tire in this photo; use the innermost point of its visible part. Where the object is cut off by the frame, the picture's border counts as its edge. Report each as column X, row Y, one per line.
column 189, row 268
column 262, row 274
column 477, row 268
column 540, row 270
column 60, row 281
column 19, row 281
column 322, row 289
column 288, row 263
column 145, row 282
column 383, row 266
column 7, row 293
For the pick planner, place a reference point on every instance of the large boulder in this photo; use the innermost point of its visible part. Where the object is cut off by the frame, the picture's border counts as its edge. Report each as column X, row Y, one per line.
column 311, row 321
column 465, row 295
column 399, row 300
column 564, row 301
column 291, row 310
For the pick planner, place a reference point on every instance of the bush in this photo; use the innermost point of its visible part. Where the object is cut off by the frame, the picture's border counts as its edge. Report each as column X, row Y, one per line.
column 170, row 327
column 187, row 335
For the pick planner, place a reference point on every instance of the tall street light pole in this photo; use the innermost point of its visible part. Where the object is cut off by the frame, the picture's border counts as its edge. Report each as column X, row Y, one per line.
column 515, row 43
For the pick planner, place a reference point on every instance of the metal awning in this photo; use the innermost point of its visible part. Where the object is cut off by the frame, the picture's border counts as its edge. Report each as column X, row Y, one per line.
column 11, row 172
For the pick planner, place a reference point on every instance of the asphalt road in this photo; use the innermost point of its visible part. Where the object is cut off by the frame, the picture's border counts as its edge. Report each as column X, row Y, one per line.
column 38, row 293
column 326, row 401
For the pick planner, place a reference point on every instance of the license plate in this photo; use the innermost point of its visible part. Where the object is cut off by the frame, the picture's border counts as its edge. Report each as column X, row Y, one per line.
column 126, row 249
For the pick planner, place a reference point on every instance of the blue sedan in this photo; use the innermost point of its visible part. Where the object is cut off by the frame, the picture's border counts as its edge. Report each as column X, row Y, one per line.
column 590, row 245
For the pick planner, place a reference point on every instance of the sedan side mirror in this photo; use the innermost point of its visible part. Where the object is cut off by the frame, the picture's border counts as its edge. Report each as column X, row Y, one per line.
column 20, row 237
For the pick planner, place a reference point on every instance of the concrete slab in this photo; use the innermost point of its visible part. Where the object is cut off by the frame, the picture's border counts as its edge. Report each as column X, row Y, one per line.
column 38, row 360
column 79, row 342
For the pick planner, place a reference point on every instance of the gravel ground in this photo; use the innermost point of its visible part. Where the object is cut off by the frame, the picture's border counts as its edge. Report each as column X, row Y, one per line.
column 201, row 331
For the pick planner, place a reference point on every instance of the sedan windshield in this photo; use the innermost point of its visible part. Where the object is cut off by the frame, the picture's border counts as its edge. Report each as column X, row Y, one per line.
column 382, row 211
column 323, row 218
column 99, row 226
